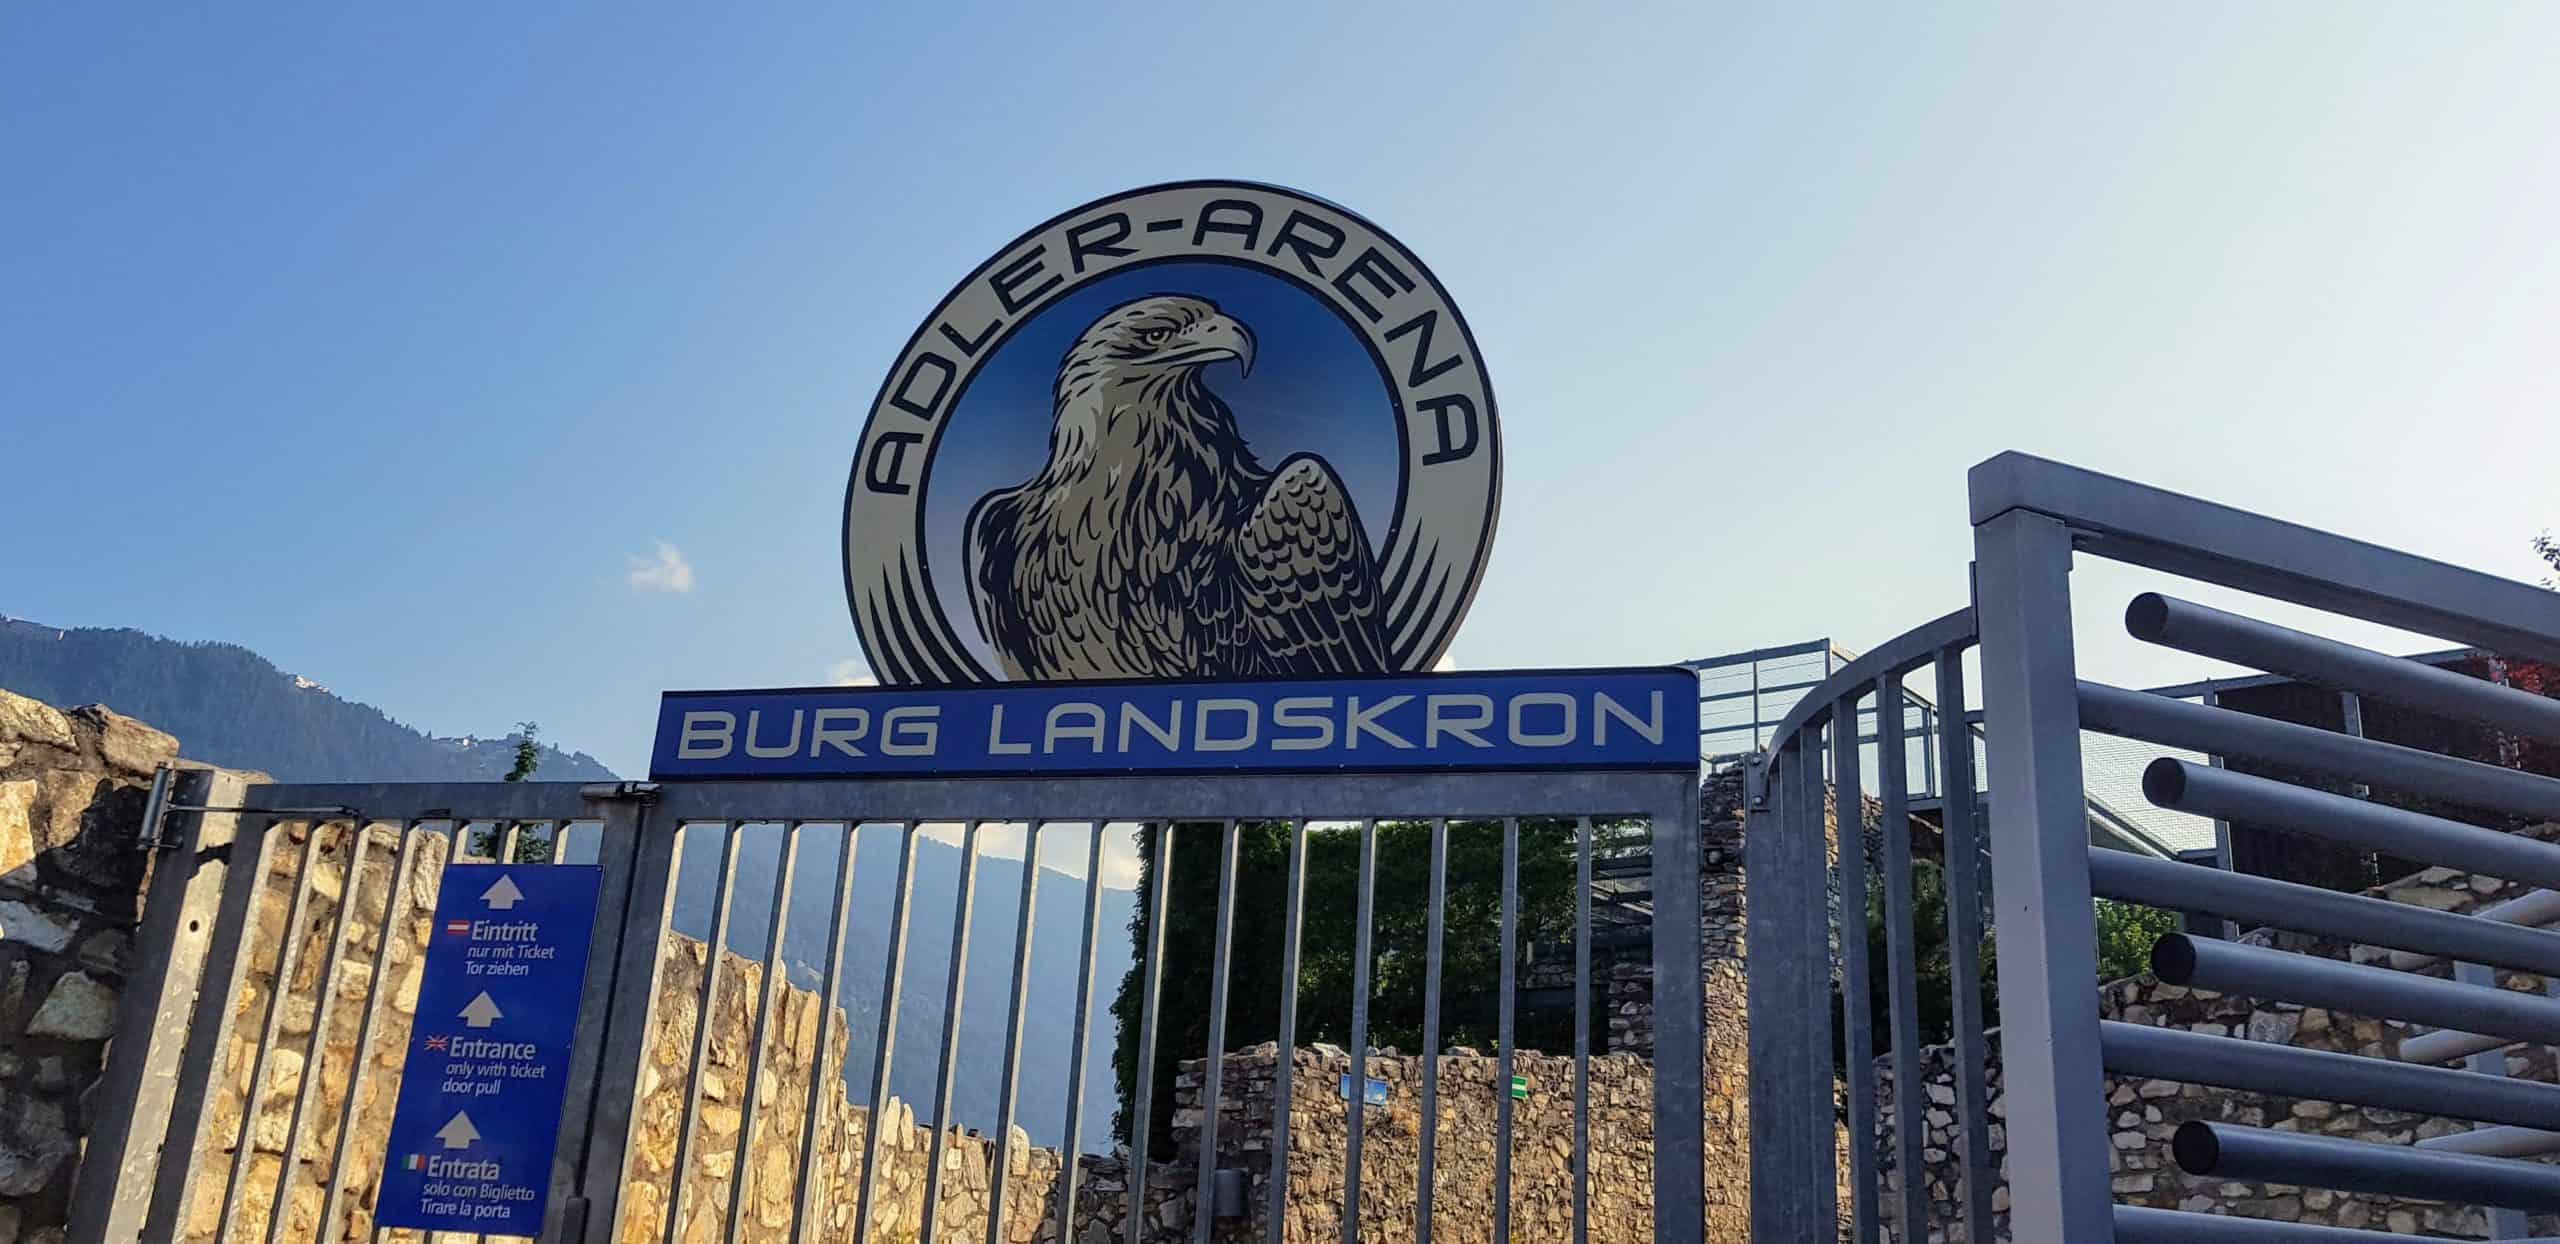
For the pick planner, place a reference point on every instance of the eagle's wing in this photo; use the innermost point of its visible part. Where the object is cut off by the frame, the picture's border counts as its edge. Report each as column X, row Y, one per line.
column 1310, row 581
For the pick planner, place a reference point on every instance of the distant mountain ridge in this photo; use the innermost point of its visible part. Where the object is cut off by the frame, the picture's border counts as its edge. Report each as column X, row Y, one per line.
column 229, row 706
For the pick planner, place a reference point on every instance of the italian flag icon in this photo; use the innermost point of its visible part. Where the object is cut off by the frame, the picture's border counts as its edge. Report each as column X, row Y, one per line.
column 416, row 1162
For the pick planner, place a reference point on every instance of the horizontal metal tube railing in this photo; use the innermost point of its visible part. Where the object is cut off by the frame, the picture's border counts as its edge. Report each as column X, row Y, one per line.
column 2136, row 1225
column 2445, row 1046
column 2309, row 909
column 2534, row 910
column 2210, row 632
column 2263, row 1067
column 2228, row 1151
column 2222, row 732
column 2226, row 967
column 2497, row 1142
column 2224, row 795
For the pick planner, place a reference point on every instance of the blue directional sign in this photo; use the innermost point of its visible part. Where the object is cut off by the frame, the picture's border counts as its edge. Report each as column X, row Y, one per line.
column 479, row 1113
column 1531, row 719
column 1374, row 1093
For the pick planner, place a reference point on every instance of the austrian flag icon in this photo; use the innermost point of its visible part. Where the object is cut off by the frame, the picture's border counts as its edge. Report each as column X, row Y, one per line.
column 457, row 928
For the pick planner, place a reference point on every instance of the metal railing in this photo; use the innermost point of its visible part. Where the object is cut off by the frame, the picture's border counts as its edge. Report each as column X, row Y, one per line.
column 344, row 922
column 1809, row 910
column 1802, row 902
column 2031, row 518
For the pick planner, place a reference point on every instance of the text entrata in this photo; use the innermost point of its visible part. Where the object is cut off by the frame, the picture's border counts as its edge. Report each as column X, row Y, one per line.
column 480, row 1096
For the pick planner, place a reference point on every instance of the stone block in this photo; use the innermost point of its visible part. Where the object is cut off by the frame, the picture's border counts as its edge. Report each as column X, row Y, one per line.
column 27, row 927
column 17, row 830
column 77, row 1009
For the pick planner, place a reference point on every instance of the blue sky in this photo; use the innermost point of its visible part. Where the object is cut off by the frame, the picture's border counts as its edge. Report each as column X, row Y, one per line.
column 383, row 339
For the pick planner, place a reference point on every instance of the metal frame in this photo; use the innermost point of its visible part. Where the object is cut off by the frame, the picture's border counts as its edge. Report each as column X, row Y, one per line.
column 1791, row 918
column 639, row 828
column 2031, row 519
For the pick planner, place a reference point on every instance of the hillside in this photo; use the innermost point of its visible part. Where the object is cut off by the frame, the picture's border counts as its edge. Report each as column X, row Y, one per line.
column 229, row 706
column 1048, row 1015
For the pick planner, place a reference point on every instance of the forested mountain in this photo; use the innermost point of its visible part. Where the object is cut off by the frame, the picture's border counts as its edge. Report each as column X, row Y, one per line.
column 231, row 707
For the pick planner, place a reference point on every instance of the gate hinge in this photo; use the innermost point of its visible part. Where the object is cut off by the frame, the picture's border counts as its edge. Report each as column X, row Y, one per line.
column 644, row 791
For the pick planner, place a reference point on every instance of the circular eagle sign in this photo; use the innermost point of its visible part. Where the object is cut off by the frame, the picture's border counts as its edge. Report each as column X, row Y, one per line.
column 1202, row 430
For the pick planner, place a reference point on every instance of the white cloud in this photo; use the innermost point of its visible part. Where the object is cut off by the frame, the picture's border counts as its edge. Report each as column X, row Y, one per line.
column 851, row 672
column 666, row 572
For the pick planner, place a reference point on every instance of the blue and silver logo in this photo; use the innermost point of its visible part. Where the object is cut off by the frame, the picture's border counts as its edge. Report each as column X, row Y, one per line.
column 1201, row 430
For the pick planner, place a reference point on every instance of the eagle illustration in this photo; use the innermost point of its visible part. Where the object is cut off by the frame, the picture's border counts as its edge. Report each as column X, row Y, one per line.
column 1152, row 544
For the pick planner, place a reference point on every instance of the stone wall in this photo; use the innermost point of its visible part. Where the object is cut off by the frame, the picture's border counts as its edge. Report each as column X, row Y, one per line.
column 72, row 787
column 780, row 1089
column 1621, row 1152
column 2146, row 1112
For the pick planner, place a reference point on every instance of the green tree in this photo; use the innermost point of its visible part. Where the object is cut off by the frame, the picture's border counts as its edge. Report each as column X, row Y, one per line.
column 528, row 751
column 2125, row 934
column 2548, row 550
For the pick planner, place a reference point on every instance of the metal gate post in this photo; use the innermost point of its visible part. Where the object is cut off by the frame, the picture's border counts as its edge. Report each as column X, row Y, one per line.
column 620, row 847
column 1793, row 1163
column 2046, row 924
column 124, row 1154
column 629, row 981
column 1679, row 1052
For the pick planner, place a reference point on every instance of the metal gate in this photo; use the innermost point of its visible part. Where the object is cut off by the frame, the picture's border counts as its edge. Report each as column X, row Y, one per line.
column 294, row 917
column 2032, row 520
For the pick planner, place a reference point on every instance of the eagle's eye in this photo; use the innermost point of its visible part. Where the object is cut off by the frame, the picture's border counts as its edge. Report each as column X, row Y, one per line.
column 1155, row 336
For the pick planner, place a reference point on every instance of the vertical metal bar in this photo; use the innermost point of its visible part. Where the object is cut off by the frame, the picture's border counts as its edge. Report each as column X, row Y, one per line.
column 1011, row 1081
column 2351, row 713
column 2046, row 925
column 1902, row 975
column 1849, row 817
column 1679, row 1124
column 1213, row 1076
column 2504, row 1223
column 712, row 953
column 1582, row 1033
column 831, row 997
column 1509, row 1002
column 1756, row 741
column 777, row 923
column 1293, row 902
column 1963, row 840
column 283, row 984
column 1793, row 1160
column 122, row 1161
column 1073, row 1146
column 952, row 998
column 1433, row 917
column 2221, row 828
column 626, row 962
column 323, row 1010
column 1358, row 1106
column 360, row 1065
column 1142, row 1115
column 893, row 979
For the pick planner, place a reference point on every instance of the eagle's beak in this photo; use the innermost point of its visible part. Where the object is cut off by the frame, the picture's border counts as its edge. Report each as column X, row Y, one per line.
column 1212, row 339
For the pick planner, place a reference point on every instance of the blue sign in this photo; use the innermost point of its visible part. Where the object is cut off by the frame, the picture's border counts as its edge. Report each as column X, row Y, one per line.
column 479, row 1113
column 1375, row 1094
column 1541, row 719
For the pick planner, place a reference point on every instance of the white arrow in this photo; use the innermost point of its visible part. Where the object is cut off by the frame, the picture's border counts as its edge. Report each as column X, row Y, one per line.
column 459, row 1133
column 504, row 895
column 482, row 1011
